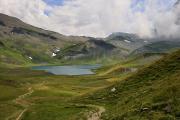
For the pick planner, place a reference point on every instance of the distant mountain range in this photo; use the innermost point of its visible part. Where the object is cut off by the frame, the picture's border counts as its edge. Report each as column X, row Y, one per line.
column 158, row 47
column 91, row 49
column 21, row 43
column 126, row 41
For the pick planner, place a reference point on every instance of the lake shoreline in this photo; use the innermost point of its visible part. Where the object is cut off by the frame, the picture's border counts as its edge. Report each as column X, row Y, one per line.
column 69, row 69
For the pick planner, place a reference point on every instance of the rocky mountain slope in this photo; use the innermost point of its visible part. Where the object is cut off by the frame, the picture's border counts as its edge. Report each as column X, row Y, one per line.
column 91, row 49
column 158, row 47
column 31, row 43
column 126, row 41
column 133, row 44
column 21, row 43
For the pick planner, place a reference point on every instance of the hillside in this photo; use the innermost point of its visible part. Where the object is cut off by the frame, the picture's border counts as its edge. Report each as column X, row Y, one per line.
column 158, row 47
column 151, row 93
column 33, row 44
column 126, row 41
column 131, row 74
column 21, row 44
column 92, row 49
column 133, row 44
column 14, row 26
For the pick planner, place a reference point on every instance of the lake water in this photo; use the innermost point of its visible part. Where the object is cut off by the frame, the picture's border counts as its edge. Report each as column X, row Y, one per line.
column 69, row 69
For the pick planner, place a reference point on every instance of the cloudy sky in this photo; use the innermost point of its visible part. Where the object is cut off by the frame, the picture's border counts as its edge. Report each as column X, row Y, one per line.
column 98, row 18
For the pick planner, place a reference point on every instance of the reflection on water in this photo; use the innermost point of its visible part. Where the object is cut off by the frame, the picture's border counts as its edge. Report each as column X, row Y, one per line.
column 68, row 70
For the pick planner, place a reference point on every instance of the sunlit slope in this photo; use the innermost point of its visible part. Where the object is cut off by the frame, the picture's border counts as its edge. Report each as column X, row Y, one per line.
column 151, row 93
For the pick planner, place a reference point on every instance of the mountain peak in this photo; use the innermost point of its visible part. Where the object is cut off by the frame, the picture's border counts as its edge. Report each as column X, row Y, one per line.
column 122, row 36
column 10, row 21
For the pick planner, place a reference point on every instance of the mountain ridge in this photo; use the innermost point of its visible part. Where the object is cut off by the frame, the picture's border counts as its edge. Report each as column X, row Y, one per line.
column 36, row 45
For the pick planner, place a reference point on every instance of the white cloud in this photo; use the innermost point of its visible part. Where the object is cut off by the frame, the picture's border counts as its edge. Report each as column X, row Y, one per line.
column 97, row 17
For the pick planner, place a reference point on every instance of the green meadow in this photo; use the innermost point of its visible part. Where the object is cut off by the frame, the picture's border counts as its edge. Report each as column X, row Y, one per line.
column 152, row 92
column 52, row 96
column 139, row 78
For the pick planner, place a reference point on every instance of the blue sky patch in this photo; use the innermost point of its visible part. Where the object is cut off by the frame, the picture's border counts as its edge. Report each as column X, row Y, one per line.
column 138, row 5
column 167, row 4
column 54, row 2
column 47, row 12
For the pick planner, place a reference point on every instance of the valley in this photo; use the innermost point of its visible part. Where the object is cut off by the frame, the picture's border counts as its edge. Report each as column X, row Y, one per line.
column 37, row 95
column 40, row 95
column 45, row 75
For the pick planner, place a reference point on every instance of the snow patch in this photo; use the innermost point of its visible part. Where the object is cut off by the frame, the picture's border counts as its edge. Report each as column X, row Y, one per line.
column 30, row 58
column 113, row 89
column 54, row 54
column 146, row 41
column 57, row 50
column 127, row 41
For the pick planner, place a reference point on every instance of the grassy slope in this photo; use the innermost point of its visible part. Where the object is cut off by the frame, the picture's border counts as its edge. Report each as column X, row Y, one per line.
column 52, row 95
column 151, row 93
column 24, row 40
column 56, row 97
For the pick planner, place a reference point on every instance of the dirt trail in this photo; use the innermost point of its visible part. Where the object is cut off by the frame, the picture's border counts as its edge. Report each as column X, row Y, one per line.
column 21, row 114
column 20, row 98
column 96, row 115
column 21, row 102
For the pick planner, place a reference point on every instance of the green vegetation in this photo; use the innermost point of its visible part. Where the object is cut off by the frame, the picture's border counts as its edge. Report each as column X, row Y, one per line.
column 30, row 44
column 151, row 93
column 52, row 96
column 117, row 91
